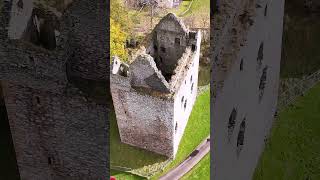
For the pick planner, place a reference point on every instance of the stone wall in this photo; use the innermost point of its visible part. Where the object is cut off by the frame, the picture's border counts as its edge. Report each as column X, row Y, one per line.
column 57, row 136
column 59, row 130
column 151, row 111
column 186, row 96
column 246, row 77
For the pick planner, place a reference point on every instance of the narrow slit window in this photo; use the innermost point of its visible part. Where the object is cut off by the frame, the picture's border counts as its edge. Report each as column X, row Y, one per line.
column 176, row 127
column 241, row 65
column 193, row 47
column 177, row 41
column 266, row 10
column 20, row 4
column 231, row 123
column 163, row 49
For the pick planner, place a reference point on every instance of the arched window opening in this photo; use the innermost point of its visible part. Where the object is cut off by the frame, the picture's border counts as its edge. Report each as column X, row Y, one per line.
column 50, row 160
column 163, row 49
column 262, row 84
column 260, row 54
column 177, row 41
column 20, row 4
column 240, row 139
column 266, row 10
column 241, row 65
column 176, row 127
column 192, row 88
column 182, row 100
column 193, row 47
column 232, row 123
column 38, row 100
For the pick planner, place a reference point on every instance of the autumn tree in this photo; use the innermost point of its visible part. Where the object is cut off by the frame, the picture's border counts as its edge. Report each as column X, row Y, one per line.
column 117, row 41
column 120, row 29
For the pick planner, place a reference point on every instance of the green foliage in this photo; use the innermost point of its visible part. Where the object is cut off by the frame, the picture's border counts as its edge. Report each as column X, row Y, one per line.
column 120, row 29
column 117, row 41
column 293, row 151
column 120, row 15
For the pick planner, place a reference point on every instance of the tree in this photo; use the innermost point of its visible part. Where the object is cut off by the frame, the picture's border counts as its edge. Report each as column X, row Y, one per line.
column 120, row 29
column 117, row 41
column 120, row 15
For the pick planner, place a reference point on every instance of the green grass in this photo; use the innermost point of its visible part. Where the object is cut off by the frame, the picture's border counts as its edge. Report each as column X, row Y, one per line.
column 182, row 7
column 293, row 151
column 200, row 171
column 197, row 130
column 301, row 52
column 125, row 176
column 197, row 7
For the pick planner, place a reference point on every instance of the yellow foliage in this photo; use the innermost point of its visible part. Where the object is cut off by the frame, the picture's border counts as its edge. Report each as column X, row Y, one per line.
column 117, row 41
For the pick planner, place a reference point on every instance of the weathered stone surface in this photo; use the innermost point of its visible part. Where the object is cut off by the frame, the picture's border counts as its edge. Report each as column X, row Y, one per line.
column 59, row 128
column 152, row 112
column 239, row 67
column 144, row 73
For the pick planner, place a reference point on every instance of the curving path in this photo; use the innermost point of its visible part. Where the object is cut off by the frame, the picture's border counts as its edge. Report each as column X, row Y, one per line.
column 190, row 162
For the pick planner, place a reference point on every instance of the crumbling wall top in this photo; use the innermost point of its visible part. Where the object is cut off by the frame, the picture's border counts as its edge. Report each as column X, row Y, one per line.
column 171, row 23
column 144, row 73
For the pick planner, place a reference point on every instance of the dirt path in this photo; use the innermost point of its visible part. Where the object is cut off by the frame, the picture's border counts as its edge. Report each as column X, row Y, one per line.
column 190, row 162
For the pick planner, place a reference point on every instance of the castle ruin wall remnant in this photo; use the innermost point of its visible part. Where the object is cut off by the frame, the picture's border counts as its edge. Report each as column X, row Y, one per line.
column 59, row 130
column 246, row 66
column 154, row 95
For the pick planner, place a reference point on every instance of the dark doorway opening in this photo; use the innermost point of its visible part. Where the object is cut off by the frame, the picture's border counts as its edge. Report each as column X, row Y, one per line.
column 8, row 163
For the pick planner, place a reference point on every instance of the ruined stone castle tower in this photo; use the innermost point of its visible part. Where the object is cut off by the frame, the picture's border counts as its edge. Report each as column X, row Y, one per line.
column 154, row 96
column 47, row 58
column 246, row 46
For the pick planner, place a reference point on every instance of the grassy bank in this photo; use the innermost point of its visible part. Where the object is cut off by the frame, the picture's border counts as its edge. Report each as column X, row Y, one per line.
column 293, row 151
column 201, row 171
column 301, row 52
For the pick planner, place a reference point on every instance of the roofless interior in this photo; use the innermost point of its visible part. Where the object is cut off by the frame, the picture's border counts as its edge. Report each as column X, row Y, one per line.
column 169, row 42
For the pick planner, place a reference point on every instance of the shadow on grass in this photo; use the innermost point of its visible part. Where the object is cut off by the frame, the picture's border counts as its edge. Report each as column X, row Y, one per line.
column 8, row 163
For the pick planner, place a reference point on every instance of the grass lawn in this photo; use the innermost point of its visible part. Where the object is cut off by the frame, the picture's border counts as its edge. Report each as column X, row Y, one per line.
column 125, row 176
column 293, row 150
column 200, row 171
column 300, row 53
column 198, row 128
column 197, row 7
